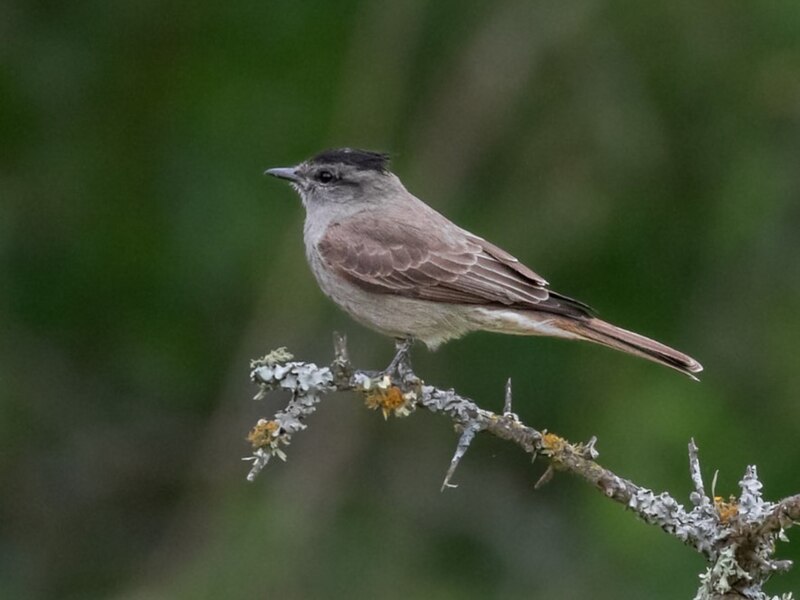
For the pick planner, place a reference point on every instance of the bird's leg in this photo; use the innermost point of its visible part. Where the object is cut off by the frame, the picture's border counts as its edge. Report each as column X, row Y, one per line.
column 399, row 371
column 401, row 363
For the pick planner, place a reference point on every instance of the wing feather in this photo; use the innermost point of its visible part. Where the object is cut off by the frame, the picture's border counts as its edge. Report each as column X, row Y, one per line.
column 398, row 258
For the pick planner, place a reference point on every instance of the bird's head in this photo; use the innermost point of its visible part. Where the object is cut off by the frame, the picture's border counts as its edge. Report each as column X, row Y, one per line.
column 342, row 176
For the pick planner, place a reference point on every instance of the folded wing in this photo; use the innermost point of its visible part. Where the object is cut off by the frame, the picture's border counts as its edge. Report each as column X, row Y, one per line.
column 394, row 257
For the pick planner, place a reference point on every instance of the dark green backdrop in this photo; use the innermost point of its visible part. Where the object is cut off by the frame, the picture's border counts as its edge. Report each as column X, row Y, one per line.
column 644, row 157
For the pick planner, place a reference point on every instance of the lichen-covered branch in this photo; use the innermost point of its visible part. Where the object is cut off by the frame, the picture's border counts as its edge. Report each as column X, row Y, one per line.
column 737, row 536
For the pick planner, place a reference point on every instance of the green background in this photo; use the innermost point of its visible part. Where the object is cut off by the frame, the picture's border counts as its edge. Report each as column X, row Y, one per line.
column 643, row 157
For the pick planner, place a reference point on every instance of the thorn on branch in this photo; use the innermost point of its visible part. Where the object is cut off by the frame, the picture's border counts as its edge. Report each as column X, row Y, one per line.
column 467, row 435
column 698, row 497
column 546, row 477
column 507, row 403
column 714, row 483
column 340, row 367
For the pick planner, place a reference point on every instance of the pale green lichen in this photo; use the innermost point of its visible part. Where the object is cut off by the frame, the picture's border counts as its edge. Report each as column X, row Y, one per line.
column 277, row 356
column 307, row 382
column 726, row 575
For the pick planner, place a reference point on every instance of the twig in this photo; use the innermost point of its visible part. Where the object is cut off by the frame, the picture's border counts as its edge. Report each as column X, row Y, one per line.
column 737, row 537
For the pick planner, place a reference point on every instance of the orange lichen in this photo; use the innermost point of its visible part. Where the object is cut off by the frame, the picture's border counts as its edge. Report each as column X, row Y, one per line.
column 553, row 443
column 727, row 510
column 263, row 434
column 388, row 399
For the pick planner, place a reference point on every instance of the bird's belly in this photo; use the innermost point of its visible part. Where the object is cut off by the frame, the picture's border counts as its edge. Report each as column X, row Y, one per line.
column 397, row 316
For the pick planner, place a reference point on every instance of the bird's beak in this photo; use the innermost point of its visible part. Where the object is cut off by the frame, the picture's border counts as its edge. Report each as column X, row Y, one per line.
column 289, row 173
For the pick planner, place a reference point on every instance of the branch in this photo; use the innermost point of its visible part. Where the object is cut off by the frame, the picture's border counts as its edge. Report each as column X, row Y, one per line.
column 737, row 536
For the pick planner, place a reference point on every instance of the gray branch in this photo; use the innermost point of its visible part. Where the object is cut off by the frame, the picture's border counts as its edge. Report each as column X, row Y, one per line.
column 737, row 536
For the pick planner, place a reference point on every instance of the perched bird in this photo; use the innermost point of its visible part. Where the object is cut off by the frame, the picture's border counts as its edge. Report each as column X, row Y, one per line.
column 401, row 268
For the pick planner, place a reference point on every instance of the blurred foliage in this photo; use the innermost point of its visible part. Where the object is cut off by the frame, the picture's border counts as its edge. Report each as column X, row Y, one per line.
column 642, row 157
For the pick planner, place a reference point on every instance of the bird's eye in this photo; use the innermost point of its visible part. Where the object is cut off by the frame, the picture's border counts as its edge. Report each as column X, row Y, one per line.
column 325, row 176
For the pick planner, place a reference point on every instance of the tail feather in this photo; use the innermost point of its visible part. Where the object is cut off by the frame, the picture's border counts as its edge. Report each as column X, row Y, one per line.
column 601, row 332
column 582, row 327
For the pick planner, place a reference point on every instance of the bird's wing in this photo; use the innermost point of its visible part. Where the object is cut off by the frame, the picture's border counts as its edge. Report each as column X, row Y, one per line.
column 399, row 258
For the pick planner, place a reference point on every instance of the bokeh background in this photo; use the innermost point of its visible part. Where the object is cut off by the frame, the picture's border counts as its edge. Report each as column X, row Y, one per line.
column 641, row 156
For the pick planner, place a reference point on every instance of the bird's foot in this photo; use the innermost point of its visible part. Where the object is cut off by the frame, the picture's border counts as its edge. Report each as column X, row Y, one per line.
column 399, row 370
column 401, row 363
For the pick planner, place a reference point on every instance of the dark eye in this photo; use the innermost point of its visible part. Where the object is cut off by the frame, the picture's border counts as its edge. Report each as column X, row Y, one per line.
column 325, row 176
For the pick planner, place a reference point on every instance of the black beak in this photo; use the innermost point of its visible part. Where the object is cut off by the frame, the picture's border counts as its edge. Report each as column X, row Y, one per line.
column 288, row 173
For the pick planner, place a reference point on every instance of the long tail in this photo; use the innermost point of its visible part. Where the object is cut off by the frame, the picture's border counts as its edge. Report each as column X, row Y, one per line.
column 601, row 332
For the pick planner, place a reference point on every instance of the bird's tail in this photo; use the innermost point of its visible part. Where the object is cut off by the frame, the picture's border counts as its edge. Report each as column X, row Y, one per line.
column 601, row 332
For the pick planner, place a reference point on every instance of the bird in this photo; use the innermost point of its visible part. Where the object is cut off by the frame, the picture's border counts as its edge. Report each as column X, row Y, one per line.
column 398, row 266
